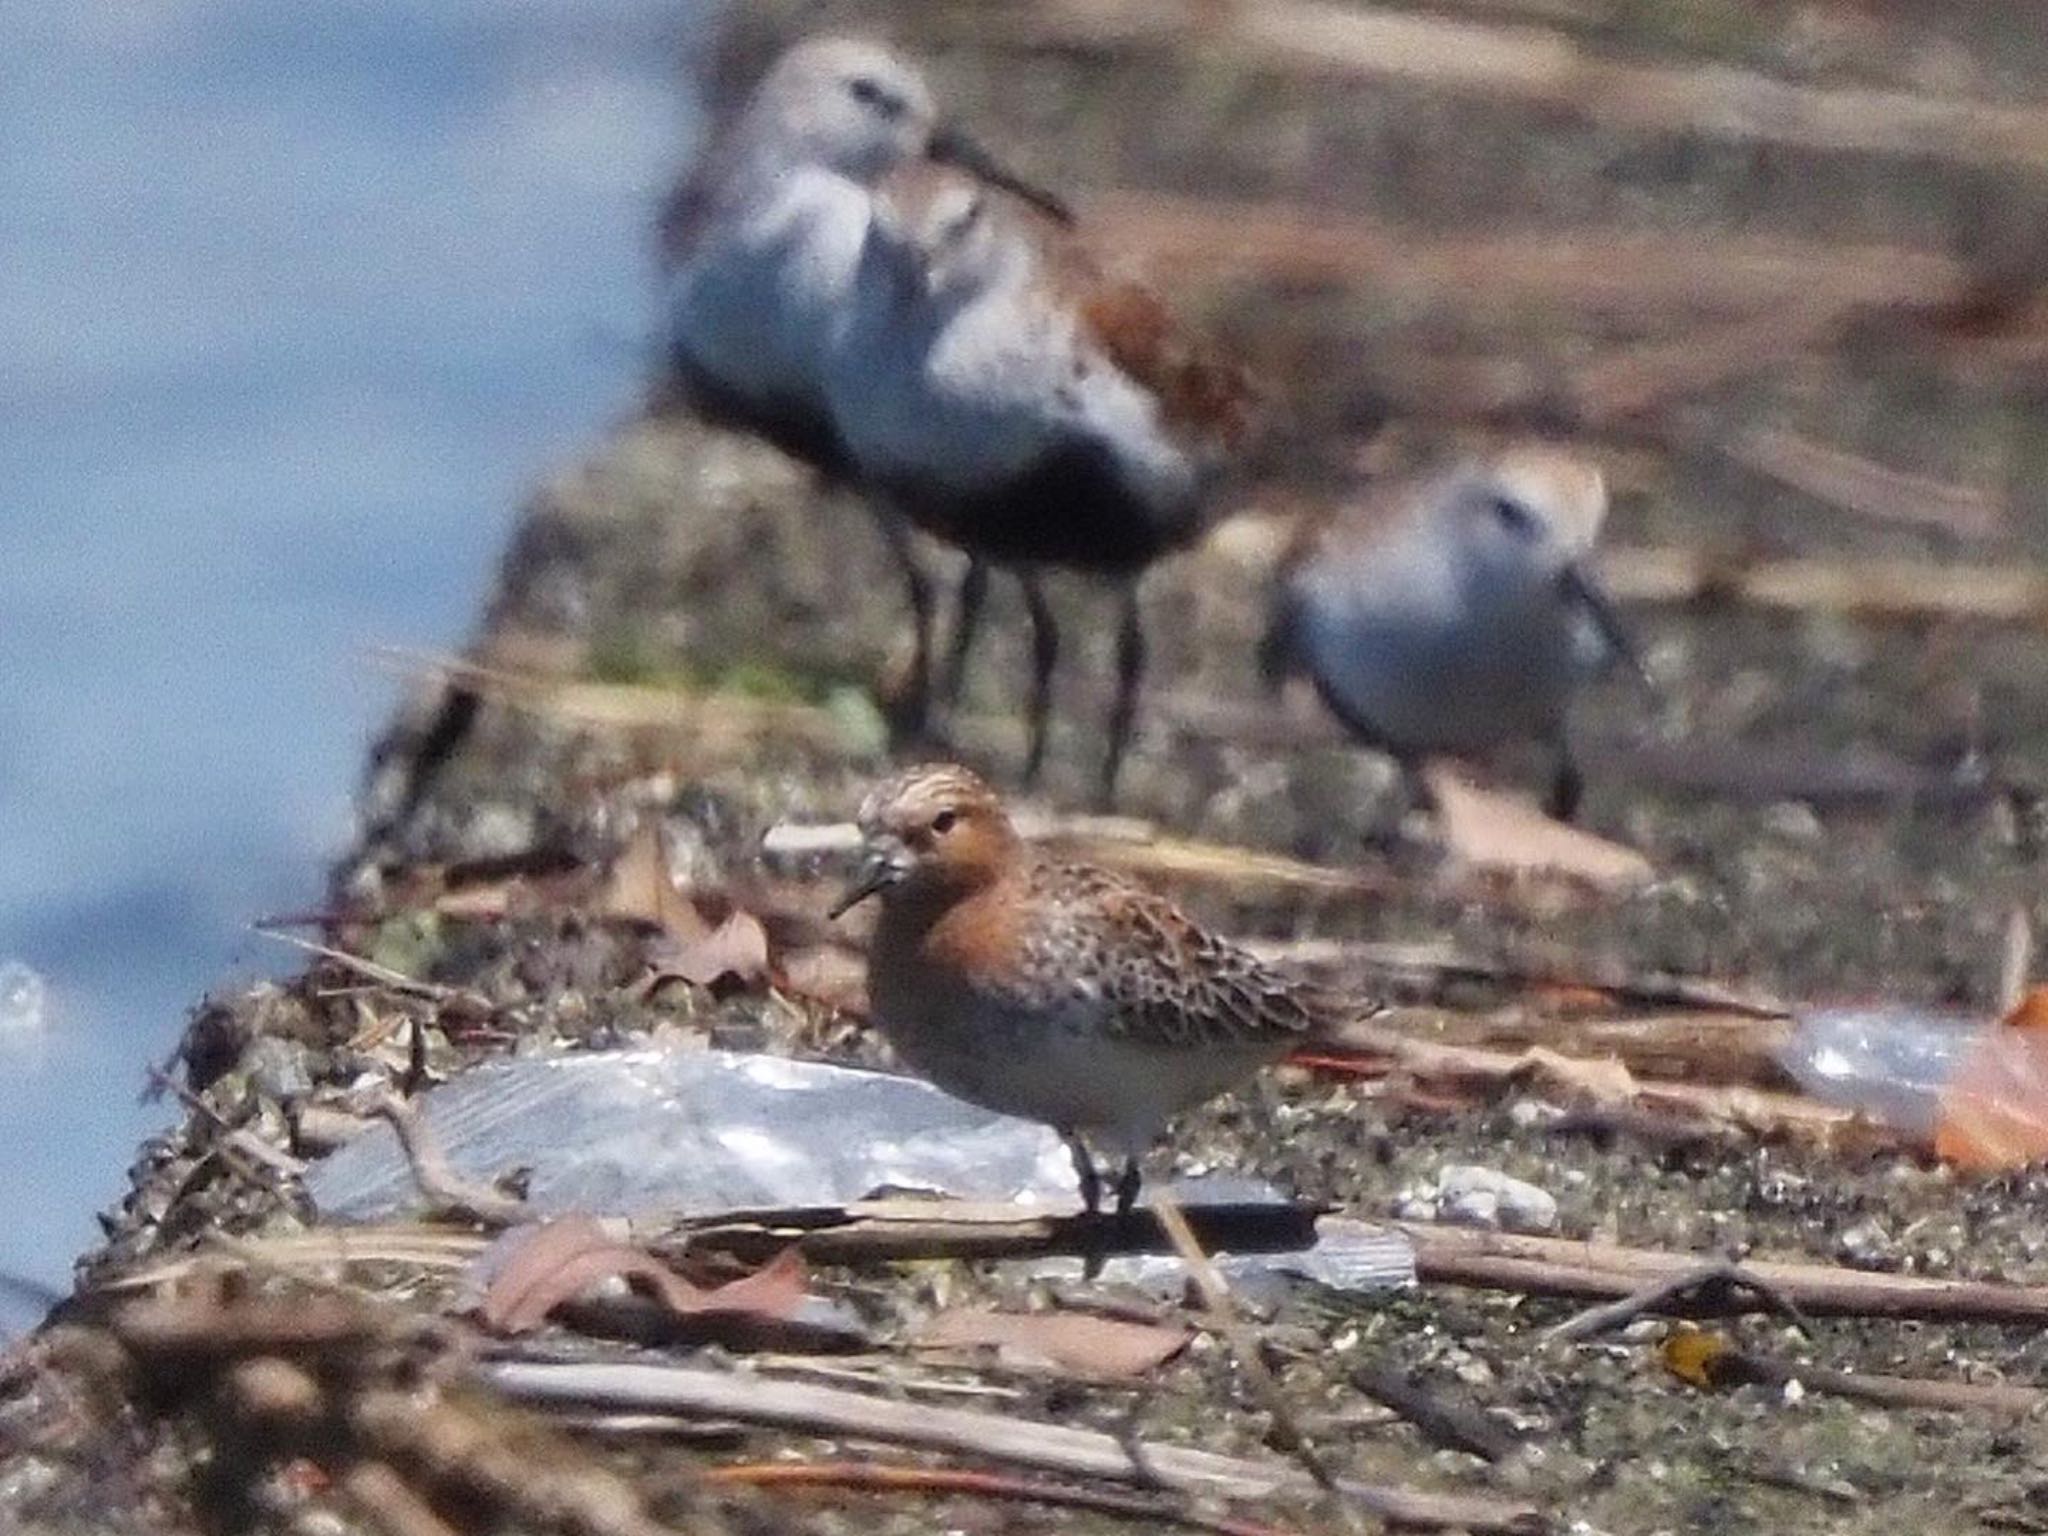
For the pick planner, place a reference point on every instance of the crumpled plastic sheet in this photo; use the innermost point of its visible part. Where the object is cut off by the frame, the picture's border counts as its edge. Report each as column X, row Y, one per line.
column 1347, row 1256
column 1890, row 1061
column 694, row 1133
column 697, row 1133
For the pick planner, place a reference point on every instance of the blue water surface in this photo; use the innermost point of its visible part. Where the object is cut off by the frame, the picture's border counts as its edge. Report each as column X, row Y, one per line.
column 296, row 303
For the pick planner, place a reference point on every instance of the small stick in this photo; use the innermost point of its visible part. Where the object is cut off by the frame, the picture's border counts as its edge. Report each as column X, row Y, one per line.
column 474, row 1003
column 1444, row 1423
column 883, row 1477
column 1215, row 1294
column 447, row 1192
column 831, row 1412
column 1735, row 1367
column 391, row 1505
column 1557, row 1266
column 1717, row 1275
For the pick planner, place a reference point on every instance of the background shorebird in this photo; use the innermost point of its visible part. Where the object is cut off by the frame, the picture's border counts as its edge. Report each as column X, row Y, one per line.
column 761, row 242
column 1453, row 612
column 1016, row 400
column 1059, row 992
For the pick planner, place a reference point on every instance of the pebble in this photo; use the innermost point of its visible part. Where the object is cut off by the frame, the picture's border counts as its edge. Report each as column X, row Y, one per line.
column 1476, row 1196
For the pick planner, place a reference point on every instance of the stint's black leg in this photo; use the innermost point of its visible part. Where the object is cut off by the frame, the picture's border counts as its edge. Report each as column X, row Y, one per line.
column 911, row 714
column 1127, row 1184
column 1084, row 1171
column 1567, row 787
column 1045, row 655
column 1130, row 672
column 966, row 628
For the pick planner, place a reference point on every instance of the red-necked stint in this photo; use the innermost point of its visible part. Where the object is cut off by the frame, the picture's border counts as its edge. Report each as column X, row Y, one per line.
column 1058, row 992
column 1453, row 612
column 1015, row 399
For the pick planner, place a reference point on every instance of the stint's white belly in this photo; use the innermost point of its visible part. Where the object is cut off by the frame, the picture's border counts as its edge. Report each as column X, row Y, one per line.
column 1457, row 682
column 978, row 395
column 756, row 308
column 1063, row 1067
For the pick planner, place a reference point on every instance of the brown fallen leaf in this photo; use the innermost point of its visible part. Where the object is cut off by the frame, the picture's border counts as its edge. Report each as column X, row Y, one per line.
column 641, row 889
column 530, row 1271
column 707, row 939
column 1099, row 1347
column 1488, row 832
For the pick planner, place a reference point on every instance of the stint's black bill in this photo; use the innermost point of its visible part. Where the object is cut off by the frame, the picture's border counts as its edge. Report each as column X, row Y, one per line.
column 875, row 873
column 1599, row 607
column 952, row 146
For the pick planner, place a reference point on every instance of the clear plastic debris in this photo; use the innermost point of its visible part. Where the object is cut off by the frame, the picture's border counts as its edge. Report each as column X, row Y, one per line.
column 1889, row 1061
column 1347, row 1255
column 688, row 1133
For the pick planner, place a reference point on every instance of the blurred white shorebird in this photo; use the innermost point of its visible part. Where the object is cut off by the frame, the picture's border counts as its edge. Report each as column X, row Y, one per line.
column 1014, row 399
column 1454, row 613
column 761, row 241
column 760, row 245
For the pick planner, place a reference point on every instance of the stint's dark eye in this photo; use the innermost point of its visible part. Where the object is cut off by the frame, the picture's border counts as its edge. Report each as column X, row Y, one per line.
column 869, row 93
column 944, row 822
column 1513, row 515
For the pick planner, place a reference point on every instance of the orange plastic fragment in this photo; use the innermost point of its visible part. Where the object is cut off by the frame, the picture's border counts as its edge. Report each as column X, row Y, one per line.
column 1690, row 1354
column 1994, row 1112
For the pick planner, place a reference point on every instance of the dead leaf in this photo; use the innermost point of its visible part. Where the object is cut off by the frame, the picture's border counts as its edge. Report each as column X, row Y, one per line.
column 1487, row 832
column 530, row 1271
column 642, row 890
column 1099, row 1347
column 731, row 957
column 708, row 940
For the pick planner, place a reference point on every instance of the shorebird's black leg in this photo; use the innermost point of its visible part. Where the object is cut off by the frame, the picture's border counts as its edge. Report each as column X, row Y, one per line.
column 911, row 714
column 966, row 627
column 1130, row 671
column 1127, row 1184
column 1084, row 1171
column 1567, row 786
column 1045, row 655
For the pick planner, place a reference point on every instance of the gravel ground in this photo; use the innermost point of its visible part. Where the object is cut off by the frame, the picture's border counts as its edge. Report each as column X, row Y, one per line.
column 678, row 557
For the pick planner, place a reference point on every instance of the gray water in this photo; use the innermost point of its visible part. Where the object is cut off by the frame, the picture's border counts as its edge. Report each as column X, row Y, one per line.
column 296, row 302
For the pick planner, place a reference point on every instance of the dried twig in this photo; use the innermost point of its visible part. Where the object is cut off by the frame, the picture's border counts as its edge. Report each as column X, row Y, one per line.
column 1222, row 1316
column 1555, row 1266
column 390, row 1503
column 1725, row 1366
column 1445, row 1423
column 886, row 1231
column 1049, row 1447
column 1717, row 1277
column 1429, row 969
column 1858, row 485
column 2014, row 593
column 1624, row 271
column 474, row 1004
column 1607, row 1083
column 447, row 1192
column 1704, row 1047
column 881, row 1477
column 1547, row 69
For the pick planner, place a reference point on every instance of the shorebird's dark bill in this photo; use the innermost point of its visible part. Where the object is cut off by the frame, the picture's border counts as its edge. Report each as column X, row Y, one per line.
column 952, row 146
column 1592, row 597
column 875, row 873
